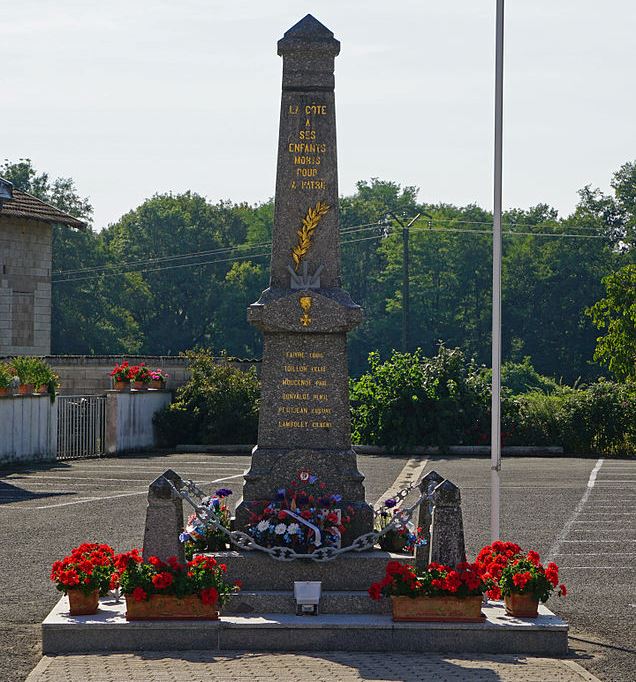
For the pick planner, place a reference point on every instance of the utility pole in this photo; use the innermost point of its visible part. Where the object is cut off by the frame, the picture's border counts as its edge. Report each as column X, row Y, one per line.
column 406, row 302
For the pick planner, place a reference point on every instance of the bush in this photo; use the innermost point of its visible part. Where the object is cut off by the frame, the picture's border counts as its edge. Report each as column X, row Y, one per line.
column 522, row 377
column 600, row 418
column 218, row 404
column 414, row 400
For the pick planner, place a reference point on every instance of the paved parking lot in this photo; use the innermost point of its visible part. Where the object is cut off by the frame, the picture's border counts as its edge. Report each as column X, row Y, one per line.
column 581, row 511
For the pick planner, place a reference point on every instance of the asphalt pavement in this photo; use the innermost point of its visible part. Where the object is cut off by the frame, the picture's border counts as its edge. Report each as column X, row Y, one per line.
column 577, row 511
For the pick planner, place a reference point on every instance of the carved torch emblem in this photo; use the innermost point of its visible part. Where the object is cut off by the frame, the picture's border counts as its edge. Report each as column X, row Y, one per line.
column 305, row 304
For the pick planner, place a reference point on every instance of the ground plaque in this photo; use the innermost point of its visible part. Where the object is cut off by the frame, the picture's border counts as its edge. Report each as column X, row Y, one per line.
column 304, row 420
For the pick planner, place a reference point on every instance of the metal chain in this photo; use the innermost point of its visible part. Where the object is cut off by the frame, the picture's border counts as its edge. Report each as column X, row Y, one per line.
column 401, row 518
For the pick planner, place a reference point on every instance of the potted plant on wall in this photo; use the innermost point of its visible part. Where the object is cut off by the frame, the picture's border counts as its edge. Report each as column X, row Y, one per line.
column 158, row 379
column 27, row 369
column 140, row 377
column 122, row 376
column 84, row 575
column 400, row 541
column 44, row 378
column 439, row 593
column 157, row 590
column 7, row 379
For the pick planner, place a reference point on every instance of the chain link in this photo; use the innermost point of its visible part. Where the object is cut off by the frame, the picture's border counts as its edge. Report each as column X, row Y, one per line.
column 188, row 490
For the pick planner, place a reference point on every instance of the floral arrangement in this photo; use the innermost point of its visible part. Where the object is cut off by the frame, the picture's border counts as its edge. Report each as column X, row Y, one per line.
column 122, row 372
column 404, row 539
column 158, row 375
column 508, row 569
column 526, row 575
column 141, row 373
column 88, row 567
column 302, row 515
column 196, row 537
column 202, row 576
column 401, row 580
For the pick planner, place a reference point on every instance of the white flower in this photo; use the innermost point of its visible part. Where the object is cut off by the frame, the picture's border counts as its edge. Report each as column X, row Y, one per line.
column 293, row 528
column 263, row 525
column 280, row 529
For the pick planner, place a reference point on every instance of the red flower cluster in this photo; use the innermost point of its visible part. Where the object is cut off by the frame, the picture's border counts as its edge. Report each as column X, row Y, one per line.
column 162, row 580
column 89, row 566
column 437, row 579
column 210, row 595
column 491, row 561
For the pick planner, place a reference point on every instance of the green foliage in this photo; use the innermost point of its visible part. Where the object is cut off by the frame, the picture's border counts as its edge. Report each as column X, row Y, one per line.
column 414, row 400
column 522, row 377
column 599, row 418
column 616, row 314
column 218, row 404
column 6, row 375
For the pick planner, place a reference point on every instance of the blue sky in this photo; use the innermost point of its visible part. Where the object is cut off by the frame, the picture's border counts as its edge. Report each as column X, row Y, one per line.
column 133, row 98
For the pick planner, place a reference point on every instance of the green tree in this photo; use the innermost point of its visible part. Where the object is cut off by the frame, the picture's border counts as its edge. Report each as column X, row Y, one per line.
column 616, row 314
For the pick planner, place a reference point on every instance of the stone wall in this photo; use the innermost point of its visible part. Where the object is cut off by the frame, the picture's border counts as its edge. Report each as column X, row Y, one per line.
column 28, row 429
column 90, row 374
column 25, row 287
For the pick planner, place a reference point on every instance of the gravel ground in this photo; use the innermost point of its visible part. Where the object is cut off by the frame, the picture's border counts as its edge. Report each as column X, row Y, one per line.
column 48, row 509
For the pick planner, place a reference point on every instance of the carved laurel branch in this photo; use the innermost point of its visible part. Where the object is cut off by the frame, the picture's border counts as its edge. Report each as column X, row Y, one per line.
column 310, row 223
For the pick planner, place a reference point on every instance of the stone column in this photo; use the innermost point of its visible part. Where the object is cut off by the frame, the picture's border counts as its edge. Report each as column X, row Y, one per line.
column 164, row 519
column 425, row 515
column 447, row 526
column 304, row 419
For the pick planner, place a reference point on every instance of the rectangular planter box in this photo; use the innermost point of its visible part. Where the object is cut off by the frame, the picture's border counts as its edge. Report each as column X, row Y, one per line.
column 437, row 609
column 169, row 607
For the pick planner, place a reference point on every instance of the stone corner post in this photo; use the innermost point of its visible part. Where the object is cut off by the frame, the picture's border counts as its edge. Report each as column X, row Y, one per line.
column 447, row 526
column 425, row 513
column 164, row 519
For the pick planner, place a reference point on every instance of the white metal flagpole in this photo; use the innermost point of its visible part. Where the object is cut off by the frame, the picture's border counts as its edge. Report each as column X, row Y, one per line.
column 495, row 455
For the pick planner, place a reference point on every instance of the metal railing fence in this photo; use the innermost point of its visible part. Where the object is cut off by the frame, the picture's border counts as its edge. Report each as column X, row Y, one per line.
column 81, row 426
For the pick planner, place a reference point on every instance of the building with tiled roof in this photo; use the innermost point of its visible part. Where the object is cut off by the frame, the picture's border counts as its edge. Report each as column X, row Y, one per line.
column 26, row 238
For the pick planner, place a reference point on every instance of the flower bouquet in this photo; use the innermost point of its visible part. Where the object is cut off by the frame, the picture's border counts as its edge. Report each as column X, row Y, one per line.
column 302, row 515
column 196, row 537
column 402, row 540
column 84, row 575
column 439, row 593
column 170, row 590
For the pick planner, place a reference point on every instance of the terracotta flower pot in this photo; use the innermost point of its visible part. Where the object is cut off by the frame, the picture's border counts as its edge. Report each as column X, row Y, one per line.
column 42, row 389
column 121, row 385
column 157, row 385
column 26, row 389
column 441, row 609
column 140, row 386
column 169, row 607
column 521, row 605
column 83, row 604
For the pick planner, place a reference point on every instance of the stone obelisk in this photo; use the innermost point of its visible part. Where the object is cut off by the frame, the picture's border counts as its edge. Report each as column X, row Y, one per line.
column 304, row 419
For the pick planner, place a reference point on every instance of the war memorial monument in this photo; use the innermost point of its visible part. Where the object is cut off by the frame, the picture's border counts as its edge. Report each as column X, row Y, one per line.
column 304, row 429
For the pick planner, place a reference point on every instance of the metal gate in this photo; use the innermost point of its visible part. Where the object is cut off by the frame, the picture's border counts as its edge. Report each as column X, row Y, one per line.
column 81, row 426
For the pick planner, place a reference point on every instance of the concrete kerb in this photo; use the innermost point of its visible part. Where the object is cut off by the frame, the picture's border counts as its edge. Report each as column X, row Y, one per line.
column 108, row 631
column 458, row 450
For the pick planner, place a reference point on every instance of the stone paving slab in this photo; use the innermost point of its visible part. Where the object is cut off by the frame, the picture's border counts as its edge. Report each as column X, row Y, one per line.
column 193, row 666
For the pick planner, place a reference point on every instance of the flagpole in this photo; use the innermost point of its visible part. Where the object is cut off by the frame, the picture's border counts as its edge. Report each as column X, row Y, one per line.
column 495, row 455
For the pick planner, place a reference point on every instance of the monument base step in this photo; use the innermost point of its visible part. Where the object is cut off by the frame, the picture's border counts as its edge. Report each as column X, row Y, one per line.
column 353, row 571
column 277, row 601
column 108, row 630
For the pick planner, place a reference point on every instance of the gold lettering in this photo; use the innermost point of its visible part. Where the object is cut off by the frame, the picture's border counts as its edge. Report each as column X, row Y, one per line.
column 293, row 109
column 295, row 396
column 306, row 160
column 311, row 184
column 296, row 368
column 307, row 135
column 316, row 354
column 321, row 425
column 297, row 382
column 292, row 410
column 286, row 424
column 306, row 172
column 319, row 369
column 316, row 110
column 320, row 382
column 295, row 354
column 320, row 410
column 320, row 396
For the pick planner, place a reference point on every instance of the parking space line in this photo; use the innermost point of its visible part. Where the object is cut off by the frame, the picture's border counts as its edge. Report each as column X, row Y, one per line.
column 83, row 500
column 578, row 509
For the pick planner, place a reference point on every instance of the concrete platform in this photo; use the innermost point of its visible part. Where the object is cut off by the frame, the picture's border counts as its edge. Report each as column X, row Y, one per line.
column 108, row 630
